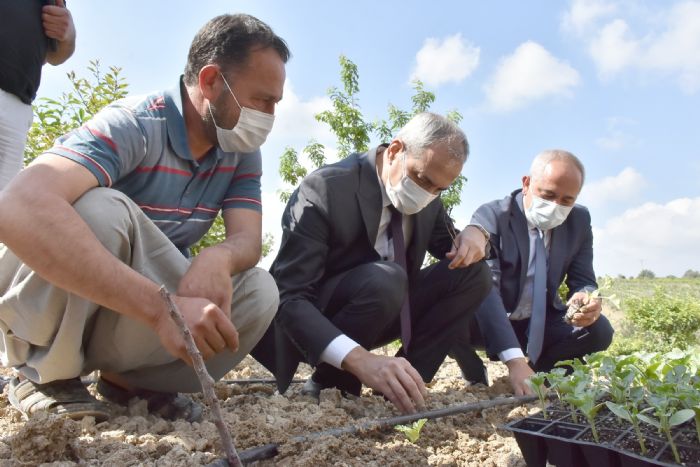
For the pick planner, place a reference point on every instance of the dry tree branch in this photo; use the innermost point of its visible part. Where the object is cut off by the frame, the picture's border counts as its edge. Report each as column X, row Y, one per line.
column 205, row 380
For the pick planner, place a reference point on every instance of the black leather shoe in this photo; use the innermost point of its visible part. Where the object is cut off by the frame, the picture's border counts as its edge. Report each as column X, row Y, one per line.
column 312, row 389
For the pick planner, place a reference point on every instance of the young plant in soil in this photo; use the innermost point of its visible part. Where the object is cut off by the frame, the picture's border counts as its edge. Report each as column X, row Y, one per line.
column 563, row 385
column 599, row 293
column 412, row 431
column 629, row 410
column 536, row 384
column 666, row 416
column 585, row 398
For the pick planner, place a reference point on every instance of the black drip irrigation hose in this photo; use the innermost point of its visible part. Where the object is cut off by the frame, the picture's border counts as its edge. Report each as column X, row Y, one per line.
column 271, row 450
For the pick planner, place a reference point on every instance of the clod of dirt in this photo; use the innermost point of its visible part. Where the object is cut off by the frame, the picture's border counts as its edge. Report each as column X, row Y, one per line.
column 574, row 308
column 45, row 438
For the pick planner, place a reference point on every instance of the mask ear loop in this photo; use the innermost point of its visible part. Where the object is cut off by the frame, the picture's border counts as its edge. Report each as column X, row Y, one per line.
column 229, row 90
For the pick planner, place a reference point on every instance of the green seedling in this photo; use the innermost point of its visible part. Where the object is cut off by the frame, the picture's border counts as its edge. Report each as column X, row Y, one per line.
column 536, row 384
column 412, row 431
column 630, row 414
column 585, row 399
column 563, row 385
column 666, row 416
column 598, row 294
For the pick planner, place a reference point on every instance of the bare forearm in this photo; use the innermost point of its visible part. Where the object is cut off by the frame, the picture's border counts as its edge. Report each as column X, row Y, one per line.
column 49, row 236
column 63, row 52
column 243, row 251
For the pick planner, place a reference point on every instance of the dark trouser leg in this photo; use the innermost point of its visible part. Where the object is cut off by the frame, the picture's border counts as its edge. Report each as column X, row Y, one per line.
column 443, row 301
column 466, row 341
column 561, row 342
column 362, row 303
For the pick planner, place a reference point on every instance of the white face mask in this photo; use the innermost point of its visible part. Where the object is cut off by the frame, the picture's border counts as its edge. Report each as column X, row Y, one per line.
column 249, row 133
column 546, row 215
column 408, row 197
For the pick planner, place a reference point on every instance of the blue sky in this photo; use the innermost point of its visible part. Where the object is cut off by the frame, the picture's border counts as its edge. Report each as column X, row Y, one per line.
column 616, row 82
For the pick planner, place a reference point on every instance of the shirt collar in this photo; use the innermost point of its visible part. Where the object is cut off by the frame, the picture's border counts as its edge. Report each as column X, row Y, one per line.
column 177, row 131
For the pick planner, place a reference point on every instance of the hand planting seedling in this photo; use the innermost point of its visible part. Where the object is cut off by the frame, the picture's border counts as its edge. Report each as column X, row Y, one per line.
column 412, row 431
column 577, row 304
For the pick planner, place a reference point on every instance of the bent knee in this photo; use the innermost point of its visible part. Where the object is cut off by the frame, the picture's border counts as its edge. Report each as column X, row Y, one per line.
column 601, row 333
column 388, row 284
column 261, row 291
column 106, row 211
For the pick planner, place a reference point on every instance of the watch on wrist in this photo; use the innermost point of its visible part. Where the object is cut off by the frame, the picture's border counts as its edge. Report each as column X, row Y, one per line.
column 481, row 228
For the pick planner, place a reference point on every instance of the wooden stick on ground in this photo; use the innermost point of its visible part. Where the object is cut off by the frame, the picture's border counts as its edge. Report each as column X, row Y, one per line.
column 205, row 380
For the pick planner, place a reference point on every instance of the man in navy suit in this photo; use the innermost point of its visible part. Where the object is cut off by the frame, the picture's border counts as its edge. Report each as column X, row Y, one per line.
column 523, row 314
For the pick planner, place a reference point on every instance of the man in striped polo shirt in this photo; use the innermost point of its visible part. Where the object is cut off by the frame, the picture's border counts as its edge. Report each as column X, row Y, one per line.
column 95, row 225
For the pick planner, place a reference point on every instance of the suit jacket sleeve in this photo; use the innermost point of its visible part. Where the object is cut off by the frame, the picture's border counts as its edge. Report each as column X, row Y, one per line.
column 492, row 316
column 580, row 274
column 300, row 266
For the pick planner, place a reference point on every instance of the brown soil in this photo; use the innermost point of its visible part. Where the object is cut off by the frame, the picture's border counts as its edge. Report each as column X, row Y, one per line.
column 257, row 415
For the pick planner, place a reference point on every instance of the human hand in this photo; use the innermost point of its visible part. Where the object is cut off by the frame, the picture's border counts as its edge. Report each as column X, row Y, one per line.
column 589, row 310
column 468, row 247
column 209, row 277
column 211, row 329
column 518, row 372
column 392, row 376
column 58, row 22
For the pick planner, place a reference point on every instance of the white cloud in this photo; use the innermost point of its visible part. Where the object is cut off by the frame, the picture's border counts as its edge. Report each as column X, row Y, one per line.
column 584, row 13
column 659, row 237
column 294, row 118
column 442, row 61
column 613, row 49
column 616, row 136
column 676, row 50
column 624, row 186
column 529, row 74
column 667, row 47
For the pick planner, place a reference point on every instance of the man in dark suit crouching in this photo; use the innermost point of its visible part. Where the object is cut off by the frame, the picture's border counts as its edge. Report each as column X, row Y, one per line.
column 355, row 235
column 538, row 238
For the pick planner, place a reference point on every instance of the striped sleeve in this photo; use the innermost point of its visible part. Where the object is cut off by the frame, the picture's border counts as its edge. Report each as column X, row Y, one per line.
column 110, row 145
column 244, row 189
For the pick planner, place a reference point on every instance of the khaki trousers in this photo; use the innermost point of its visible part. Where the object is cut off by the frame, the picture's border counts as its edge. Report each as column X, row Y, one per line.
column 48, row 334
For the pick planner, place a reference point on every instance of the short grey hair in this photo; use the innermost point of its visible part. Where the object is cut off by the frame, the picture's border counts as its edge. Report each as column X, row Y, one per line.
column 426, row 129
column 543, row 159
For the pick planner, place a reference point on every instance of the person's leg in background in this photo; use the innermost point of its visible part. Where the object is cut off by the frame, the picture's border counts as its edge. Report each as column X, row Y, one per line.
column 15, row 122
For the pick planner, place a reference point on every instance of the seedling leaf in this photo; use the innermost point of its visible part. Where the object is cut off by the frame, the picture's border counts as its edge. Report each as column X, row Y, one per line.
column 412, row 431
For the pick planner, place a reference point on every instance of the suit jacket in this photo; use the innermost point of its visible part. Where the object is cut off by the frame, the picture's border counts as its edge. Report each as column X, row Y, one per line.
column 570, row 257
column 330, row 226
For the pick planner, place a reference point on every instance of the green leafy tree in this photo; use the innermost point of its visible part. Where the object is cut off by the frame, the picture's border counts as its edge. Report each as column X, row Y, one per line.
column 691, row 274
column 646, row 274
column 87, row 96
column 353, row 131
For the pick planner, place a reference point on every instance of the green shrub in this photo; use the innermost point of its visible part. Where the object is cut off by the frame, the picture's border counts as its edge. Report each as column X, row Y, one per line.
column 662, row 322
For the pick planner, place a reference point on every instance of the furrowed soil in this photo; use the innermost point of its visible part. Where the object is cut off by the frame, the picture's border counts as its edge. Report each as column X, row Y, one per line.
column 257, row 415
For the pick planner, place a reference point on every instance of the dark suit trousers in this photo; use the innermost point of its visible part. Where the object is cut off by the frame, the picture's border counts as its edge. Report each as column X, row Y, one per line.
column 365, row 302
column 561, row 342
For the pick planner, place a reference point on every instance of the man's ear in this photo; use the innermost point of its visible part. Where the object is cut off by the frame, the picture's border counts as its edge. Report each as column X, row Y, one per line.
column 526, row 184
column 394, row 149
column 210, row 82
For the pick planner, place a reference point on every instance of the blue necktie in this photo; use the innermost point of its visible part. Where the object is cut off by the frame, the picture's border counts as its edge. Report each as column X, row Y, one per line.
column 400, row 259
column 539, row 305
